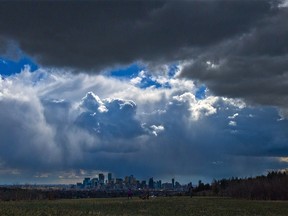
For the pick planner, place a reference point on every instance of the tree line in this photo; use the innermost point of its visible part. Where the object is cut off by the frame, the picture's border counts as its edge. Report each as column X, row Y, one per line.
column 17, row 194
column 273, row 186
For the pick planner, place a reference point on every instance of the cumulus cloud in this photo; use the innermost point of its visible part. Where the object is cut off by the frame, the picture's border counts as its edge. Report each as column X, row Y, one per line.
column 156, row 129
column 232, row 123
column 233, row 116
column 198, row 108
column 112, row 118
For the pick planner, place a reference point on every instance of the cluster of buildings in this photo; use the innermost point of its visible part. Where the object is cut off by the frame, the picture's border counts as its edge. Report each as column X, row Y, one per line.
column 128, row 183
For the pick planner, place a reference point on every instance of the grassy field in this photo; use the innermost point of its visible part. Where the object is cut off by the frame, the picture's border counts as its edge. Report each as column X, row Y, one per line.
column 158, row 206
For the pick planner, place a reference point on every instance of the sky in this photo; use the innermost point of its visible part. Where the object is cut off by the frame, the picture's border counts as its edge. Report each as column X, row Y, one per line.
column 189, row 90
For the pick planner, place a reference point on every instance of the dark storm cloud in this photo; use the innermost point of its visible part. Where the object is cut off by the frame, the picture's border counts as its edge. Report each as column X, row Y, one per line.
column 252, row 66
column 257, row 79
column 97, row 34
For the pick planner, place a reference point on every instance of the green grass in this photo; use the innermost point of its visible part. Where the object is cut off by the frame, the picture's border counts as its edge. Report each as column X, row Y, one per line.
column 196, row 206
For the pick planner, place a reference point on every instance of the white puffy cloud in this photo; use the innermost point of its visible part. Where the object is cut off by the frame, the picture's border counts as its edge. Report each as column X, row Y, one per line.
column 110, row 118
column 232, row 123
column 198, row 108
column 233, row 116
column 157, row 129
column 92, row 102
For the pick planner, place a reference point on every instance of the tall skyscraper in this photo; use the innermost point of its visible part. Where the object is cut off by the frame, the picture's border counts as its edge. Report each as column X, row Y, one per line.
column 109, row 177
column 151, row 183
column 173, row 182
column 101, row 178
column 86, row 182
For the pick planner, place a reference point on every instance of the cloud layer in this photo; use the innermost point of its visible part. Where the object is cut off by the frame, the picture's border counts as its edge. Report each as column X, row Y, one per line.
column 244, row 41
column 52, row 132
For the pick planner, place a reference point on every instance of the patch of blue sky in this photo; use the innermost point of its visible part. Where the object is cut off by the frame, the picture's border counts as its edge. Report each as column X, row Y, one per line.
column 173, row 69
column 9, row 67
column 148, row 81
column 129, row 72
column 201, row 92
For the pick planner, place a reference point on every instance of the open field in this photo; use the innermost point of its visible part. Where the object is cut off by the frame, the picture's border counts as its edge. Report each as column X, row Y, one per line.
column 157, row 206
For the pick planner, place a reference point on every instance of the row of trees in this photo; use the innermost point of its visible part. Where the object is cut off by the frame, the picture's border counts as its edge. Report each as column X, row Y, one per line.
column 14, row 194
column 273, row 186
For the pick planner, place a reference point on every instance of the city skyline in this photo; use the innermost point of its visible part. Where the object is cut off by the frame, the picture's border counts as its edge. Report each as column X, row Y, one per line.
column 191, row 90
column 101, row 182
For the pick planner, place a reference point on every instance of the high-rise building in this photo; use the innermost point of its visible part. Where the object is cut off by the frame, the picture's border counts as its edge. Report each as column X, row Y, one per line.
column 119, row 181
column 151, row 183
column 177, row 184
column 130, row 180
column 143, row 184
column 101, row 178
column 94, row 182
column 159, row 184
column 86, row 182
column 109, row 177
column 173, row 182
